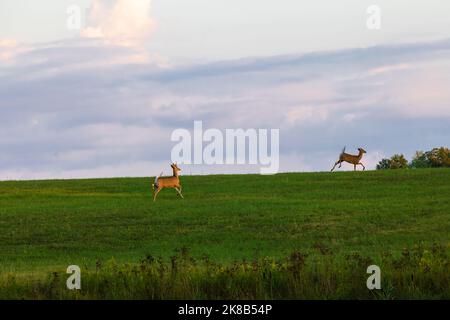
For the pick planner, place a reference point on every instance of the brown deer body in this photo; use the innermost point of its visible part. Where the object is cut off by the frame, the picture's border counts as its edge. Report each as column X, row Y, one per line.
column 350, row 158
column 168, row 182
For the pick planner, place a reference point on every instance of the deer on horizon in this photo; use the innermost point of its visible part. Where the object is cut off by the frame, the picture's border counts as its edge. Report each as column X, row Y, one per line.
column 350, row 158
column 168, row 182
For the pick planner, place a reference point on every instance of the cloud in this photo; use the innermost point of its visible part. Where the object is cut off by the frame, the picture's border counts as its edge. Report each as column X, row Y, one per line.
column 9, row 49
column 389, row 68
column 81, row 108
column 126, row 22
column 424, row 92
column 302, row 114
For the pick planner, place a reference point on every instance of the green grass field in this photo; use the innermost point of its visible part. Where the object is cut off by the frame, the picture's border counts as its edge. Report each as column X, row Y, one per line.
column 47, row 225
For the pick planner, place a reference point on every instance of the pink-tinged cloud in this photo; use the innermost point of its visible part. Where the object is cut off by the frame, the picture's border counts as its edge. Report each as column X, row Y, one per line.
column 70, row 115
column 9, row 49
column 424, row 93
column 125, row 23
column 389, row 68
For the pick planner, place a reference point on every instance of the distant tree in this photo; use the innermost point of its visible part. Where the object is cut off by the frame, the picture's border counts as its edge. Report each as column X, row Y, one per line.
column 420, row 160
column 397, row 161
column 384, row 164
column 439, row 157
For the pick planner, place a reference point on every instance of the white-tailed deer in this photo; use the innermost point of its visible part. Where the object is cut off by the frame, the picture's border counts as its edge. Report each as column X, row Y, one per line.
column 350, row 158
column 168, row 182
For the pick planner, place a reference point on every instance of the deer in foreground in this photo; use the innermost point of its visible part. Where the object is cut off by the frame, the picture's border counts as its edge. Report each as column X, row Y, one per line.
column 168, row 182
column 350, row 158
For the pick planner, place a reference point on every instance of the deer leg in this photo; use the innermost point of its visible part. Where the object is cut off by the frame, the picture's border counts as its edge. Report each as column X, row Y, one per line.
column 336, row 164
column 156, row 193
column 364, row 168
column 181, row 188
column 354, row 167
column 179, row 192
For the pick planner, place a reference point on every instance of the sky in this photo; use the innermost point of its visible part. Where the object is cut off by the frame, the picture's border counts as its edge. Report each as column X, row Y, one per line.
column 101, row 99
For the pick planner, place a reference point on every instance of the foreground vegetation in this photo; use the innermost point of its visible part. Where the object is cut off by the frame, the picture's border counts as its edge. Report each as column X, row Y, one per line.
column 419, row 273
column 239, row 230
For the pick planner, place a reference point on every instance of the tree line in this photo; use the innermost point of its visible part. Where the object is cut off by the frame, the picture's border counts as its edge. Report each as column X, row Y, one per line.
column 435, row 158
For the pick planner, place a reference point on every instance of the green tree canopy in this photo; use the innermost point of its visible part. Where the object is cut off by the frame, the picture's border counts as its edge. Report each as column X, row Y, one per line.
column 397, row 161
column 437, row 157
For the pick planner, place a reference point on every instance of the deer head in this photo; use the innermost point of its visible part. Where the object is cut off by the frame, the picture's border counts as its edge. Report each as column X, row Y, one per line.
column 175, row 168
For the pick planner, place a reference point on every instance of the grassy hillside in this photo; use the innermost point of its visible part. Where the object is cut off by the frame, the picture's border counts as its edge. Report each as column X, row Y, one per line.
column 46, row 225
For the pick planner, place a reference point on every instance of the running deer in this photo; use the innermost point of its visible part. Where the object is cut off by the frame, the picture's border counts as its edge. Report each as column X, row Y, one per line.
column 168, row 182
column 350, row 158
